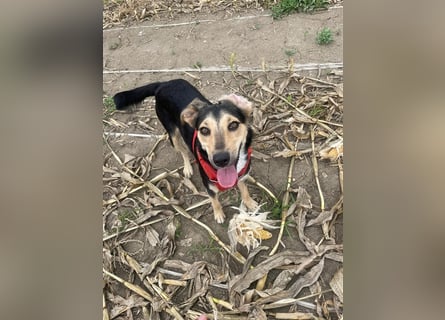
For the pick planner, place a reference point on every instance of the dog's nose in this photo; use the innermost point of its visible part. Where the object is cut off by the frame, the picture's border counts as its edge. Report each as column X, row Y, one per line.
column 221, row 159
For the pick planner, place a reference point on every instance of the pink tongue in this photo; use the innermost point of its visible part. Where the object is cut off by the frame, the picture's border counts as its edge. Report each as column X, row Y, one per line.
column 227, row 177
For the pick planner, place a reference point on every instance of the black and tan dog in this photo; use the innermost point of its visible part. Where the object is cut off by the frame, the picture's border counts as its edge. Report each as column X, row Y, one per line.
column 217, row 134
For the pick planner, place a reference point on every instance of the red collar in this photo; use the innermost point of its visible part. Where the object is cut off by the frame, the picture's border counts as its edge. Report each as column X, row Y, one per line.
column 208, row 168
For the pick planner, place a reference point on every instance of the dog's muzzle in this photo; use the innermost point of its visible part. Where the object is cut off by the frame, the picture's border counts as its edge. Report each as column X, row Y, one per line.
column 221, row 159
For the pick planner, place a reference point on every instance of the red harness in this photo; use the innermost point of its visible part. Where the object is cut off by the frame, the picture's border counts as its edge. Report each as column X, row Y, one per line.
column 208, row 168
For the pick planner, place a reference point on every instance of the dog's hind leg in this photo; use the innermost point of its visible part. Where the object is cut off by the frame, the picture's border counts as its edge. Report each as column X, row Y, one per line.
column 180, row 145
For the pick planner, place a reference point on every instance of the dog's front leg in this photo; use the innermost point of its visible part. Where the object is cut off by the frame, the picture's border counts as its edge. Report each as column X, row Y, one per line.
column 245, row 196
column 217, row 208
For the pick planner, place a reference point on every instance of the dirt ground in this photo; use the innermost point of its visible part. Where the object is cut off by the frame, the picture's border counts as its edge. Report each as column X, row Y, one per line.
column 135, row 150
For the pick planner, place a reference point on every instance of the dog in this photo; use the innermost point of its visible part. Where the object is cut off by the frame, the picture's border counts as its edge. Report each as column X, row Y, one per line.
column 217, row 134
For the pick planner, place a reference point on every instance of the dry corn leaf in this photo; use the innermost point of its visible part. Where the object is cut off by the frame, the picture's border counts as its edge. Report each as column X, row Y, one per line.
column 152, row 236
column 148, row 213
column 299, row 132
column 338, row 306
column 289, row 302
column 127, row 177
column 335, row 256
column 321, row 218
column 121, row 305
column 306, row 280
column 280, row 259
column 339, row 90
column 279, row 284
column 283, row 85
column 189, row 184
column 168, row 244
column 337, row 284
column 257, row 313
column 128, row 157
column 177, row 265
column 259, row 121
column 303, row 198
column 282, row 115
column 301, row 224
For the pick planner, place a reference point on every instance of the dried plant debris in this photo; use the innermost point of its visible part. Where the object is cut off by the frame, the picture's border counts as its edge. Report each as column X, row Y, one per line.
column 337, row 284
column 125, row 12
column 118, row 13
column 290, row 259
column 333, row 151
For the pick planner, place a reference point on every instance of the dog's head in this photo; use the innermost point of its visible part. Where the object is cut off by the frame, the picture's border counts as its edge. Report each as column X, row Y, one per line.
column 223, row 131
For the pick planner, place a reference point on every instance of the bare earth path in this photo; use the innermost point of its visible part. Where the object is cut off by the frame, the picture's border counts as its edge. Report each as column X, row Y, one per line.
column 278, row 65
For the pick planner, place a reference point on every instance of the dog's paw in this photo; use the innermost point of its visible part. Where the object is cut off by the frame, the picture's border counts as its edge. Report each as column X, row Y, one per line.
column 188, row 170
column 251, row 204
column 219, row 216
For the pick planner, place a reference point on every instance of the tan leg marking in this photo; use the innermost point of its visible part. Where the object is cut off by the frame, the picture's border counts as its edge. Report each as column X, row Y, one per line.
column 217, row 209
column 179, row 145
column 245, row 196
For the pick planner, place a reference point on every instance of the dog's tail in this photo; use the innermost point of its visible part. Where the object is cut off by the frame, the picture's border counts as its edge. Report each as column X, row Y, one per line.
column 126, row 98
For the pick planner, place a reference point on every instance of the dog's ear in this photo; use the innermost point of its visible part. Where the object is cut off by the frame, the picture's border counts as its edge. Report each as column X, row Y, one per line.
column 189, row 114
column 245, row 105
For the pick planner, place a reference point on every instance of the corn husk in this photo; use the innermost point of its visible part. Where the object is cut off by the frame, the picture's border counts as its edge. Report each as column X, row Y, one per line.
column 249, row 228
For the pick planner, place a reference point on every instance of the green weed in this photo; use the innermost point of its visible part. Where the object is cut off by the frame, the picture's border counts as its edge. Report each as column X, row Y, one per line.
column 109, row 106
column 275, row 213
column 197, row 65
column 124, row 217
column 275, row 210
column 201, row 248
column 289, row 98
column 316, row 111
column 324, row 37
column 286, row 7
column 290, row 52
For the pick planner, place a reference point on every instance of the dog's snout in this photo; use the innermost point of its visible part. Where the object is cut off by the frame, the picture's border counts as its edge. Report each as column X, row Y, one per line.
column 221, row 159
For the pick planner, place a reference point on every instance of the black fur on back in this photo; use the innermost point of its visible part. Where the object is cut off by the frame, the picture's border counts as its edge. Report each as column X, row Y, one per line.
column 172, row 97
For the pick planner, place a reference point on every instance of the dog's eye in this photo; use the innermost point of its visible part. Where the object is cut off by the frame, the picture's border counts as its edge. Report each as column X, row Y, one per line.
column 233, row 126
column 204, row 131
